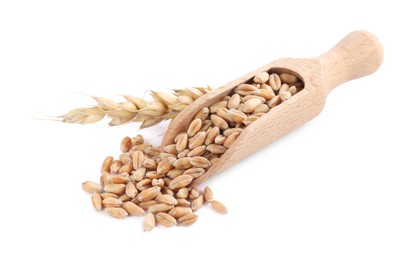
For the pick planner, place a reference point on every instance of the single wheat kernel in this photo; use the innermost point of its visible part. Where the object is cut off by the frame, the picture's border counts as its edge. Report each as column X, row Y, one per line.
column 105, row 167
column 149, row 193
column 180, row 182
column 147, row 204
column 118, row 189
column 115, row 166
column 178, row 212
column 288, row 78
column 96, row 201
column 181, row 142
column 195, row 172
column 275, row 82
column 125, row 144
column 160, row 207
column 194, row 127
column 220, row 139
column 167, row 199
column 211, row 134
column 166, row 190
column 199, row 161
column 283, row 88
column 183, row 203
column 116, row 212
column 234, row 101
column 285, row 95
column 165, row 165
column 202, row 114
column 182, row 163
column 131, row 190
column 91, row 187
column 194, row 193
column 148, row 222
column 219, row 122
column 251, row 105
column 261, row 78
column 158, row 182
column 138, row 159
column 187, row 220
column 197, row 140
column 144, row 184
column 133, row 209
column 197, row 203
column 197, row 151
column 172, row 174
column 182, row 193
column 165, row 219
column 216, row 148
column 218, row 207
column 111, row 202
column 208, row 195
column 107, row 195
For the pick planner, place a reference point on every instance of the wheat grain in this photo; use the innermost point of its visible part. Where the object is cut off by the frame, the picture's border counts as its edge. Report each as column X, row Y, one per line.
column 181, row 142
column 133, row 209
column 182, row 193
column 194, row 193
column 182, row 163
column 147, row 178
column 261, row 78
column 148, row 222
column 160, row 207
column 116, row 212
column 96, row 201
column 149, row 193
column 288, row 78
column 208, row 195
column 187, row 220
column 158, row 182
column 111, row 202
column 219, row 122
column 144, row 184
column 178, row 212
column 195, row 172
column 107, row 195
column 131, row 190
column 183, row 203
column 147, row 204
column 197, row 140
column 167, row 199
column 197, row 203
column 180, row 182
column 117, row 189
column 197, row 151
column 91, row 187
column 194, row 127
column 220, row 139
column 218, row 207
column 165, row 219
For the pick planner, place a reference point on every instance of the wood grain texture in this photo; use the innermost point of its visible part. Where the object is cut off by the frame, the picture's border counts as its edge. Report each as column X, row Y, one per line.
column 355, row 56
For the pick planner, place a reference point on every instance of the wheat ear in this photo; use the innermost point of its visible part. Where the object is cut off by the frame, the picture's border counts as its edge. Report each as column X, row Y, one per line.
column 134, row 109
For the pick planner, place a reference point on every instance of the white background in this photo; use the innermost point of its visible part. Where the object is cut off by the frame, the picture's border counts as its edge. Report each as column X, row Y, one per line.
column 341, row 187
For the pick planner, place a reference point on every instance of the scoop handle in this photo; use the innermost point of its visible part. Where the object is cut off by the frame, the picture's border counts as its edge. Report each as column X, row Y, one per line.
column 359, row 54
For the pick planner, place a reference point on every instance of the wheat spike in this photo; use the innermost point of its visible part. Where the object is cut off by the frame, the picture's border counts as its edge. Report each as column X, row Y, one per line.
column 134, row 109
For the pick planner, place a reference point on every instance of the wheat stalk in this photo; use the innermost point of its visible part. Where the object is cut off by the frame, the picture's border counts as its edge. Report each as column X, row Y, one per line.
column 134, row 109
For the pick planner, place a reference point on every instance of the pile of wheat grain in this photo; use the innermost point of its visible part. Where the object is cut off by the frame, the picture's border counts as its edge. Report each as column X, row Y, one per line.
column 158, row 180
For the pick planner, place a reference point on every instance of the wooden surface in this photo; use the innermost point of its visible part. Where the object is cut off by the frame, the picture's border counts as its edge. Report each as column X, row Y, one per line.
column 355, row 56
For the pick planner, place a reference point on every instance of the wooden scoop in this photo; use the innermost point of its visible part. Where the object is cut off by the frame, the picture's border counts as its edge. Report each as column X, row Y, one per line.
column 357, row 55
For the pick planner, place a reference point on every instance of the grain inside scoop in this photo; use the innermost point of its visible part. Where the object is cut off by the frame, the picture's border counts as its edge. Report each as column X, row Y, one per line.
column 357, row 55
